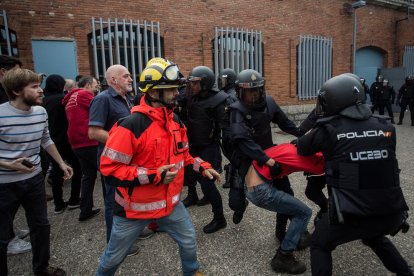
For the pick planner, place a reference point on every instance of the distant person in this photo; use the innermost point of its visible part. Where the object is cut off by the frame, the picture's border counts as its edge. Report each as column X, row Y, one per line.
column 77, row 103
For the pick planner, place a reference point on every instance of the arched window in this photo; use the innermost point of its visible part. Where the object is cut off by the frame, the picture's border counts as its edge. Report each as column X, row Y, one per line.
column 237, row 49
column 130, row 43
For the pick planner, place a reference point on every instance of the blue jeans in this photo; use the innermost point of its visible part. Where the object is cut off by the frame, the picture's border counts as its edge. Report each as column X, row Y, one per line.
column 125, row 231
column 268, row 197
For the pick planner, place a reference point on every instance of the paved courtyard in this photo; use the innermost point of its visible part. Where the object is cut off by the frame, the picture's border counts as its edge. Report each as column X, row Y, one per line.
column 243, row 249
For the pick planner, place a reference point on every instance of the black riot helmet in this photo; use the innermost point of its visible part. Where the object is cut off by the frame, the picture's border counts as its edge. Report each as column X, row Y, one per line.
column 338, row 93
column 206, row 77
column 250, row 89
column 409, row 80
column 227, row 78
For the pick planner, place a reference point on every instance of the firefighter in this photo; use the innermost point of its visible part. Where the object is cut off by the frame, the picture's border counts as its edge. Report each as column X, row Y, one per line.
column 144, row 158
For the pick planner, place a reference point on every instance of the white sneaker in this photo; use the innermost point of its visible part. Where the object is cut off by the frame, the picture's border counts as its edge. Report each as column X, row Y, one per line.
column 21, row 233
column 18, row 246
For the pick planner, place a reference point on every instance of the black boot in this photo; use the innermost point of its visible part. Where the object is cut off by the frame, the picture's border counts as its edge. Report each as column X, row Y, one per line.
column 190, row 200
column 218, row 222
column 238, row 215
column 304, row 240
column 399, row 122
column 285, row 262
column 203, row 201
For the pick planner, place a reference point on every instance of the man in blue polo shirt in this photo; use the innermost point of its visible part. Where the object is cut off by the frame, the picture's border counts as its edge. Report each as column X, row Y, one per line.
column 105, row 110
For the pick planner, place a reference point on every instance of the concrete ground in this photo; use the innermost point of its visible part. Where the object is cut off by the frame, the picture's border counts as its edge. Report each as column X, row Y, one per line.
column 243, row 249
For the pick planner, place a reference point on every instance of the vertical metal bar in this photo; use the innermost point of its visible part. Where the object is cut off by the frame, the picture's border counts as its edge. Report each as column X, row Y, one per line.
column 232, row 46
column 226, row 49
column 308, row 65
column 246, row 50
column 159, row 39
column 216, row 66
column 102, row 46
column 221, row 67
column 318, row 68
column 299, row 69
column 131, row 42
column 251, row 50
column 111, row 59
column 256, row 52
column 125, row 43
column 261, row 54
column 144, row 32
column 330, row 59
column 324, row 59
column 237, row 40
column 241, row 50
column 95, row 50
column 118, row 53
column 139, row 49
column 152, row 40
column 6, row 28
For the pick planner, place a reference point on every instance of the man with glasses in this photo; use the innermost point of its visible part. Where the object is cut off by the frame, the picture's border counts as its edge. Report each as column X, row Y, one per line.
column 144, row 159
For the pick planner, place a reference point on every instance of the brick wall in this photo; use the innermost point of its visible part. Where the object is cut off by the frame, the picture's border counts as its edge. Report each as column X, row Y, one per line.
column 188, row 29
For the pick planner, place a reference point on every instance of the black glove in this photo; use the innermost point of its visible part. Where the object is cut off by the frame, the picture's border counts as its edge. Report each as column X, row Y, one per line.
column 294, row 142
column 275, row 170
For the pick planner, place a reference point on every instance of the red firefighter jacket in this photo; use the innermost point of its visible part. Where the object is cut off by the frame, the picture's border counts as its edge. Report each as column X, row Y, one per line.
column 287, row 156
column 137, row 146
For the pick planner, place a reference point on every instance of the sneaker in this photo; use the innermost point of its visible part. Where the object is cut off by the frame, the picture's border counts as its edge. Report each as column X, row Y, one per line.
column 60, row 209
column 18, row 246
column 134, row 250
column 21, row 233
column 285, row 262
column 202, row 202
column 90, row 215
column 72, row 206
column 52, row 271
column 147, row 233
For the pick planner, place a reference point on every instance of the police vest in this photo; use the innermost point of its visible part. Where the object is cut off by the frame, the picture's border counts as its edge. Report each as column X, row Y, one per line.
column 385, row 93
column 362, row 170
column 409, row 92
column 258, row 122
column 202, row 129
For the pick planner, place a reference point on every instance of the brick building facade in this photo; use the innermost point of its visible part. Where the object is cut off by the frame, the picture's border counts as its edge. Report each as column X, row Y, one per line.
column 187, row 28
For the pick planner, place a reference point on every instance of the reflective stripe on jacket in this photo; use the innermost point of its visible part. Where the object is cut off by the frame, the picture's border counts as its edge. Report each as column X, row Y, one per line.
column 137, row 146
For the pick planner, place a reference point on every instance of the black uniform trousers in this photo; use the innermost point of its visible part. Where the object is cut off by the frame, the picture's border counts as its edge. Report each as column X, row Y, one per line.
column 211, row 154
column 29, row 193
column 403, row 105
column 372, row 231
column 387, row 105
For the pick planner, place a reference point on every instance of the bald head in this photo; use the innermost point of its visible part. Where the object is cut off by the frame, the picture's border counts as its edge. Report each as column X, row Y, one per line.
column 119, row 78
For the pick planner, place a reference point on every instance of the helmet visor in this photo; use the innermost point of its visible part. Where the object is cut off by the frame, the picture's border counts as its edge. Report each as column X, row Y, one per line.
column 252, row 84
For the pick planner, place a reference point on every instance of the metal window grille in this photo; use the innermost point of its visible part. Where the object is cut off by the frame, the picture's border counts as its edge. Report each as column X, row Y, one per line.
column 314, row 65
column 238, row 49
column 8, row 38
column 127, row 42
column 408, row 61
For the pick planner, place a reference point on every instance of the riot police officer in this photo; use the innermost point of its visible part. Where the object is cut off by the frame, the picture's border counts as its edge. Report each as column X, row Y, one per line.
column 365, row 199
column 250, row 121
column 384, row 98
column 406, row 98
column 366, row 89
column 205, row 123
column 374, row 91
column 227, row 83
